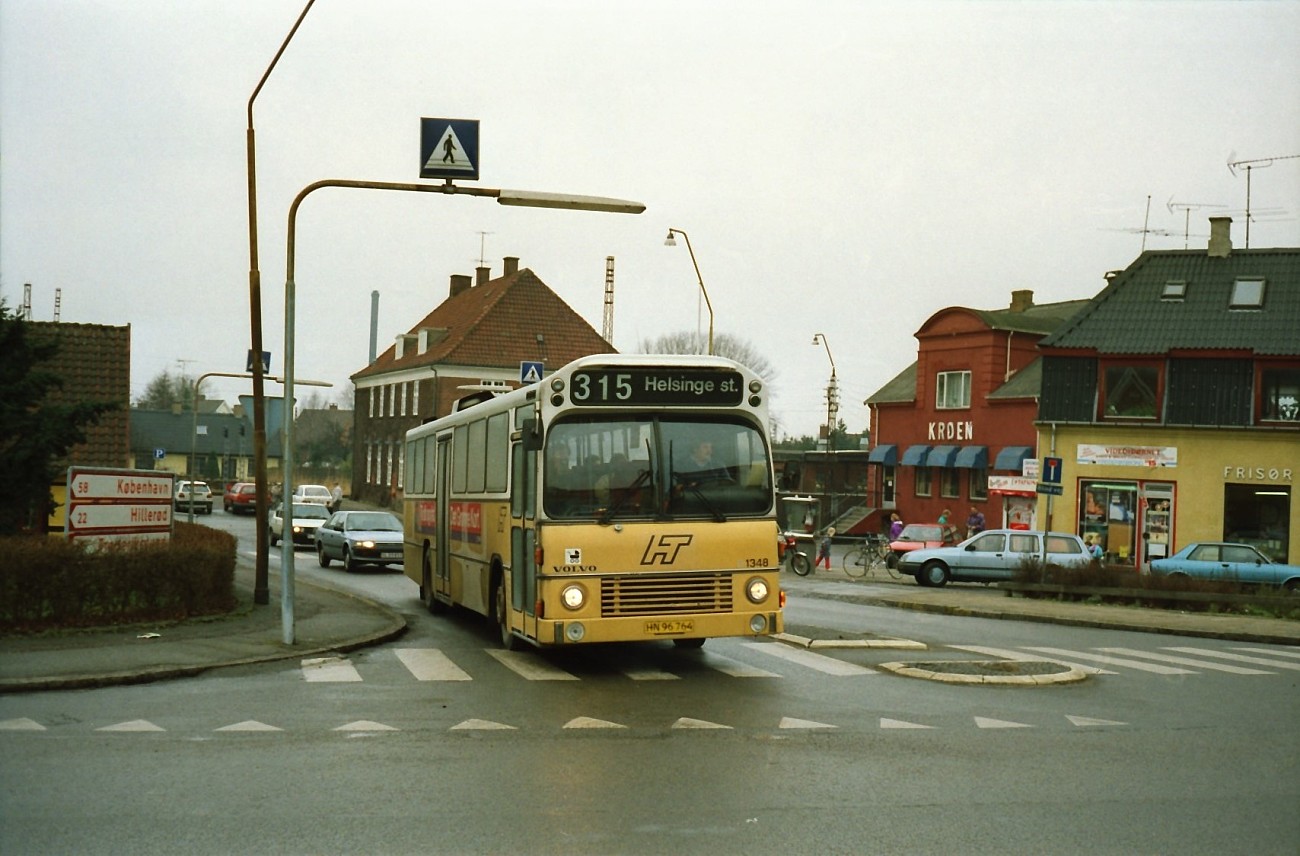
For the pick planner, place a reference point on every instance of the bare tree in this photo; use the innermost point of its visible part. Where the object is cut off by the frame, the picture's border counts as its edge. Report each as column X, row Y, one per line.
column 724, row 345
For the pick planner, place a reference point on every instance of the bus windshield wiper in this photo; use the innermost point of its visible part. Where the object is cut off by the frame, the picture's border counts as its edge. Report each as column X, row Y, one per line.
column 607, row 516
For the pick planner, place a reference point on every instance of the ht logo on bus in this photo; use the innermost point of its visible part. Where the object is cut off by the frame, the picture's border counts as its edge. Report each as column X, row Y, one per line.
column 663, row 549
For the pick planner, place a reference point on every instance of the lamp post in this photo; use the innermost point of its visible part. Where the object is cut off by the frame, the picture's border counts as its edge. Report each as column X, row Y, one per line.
column 521, row 198
column 261, row 591
column 832, row 392
column 194, row 433
column 670, row 241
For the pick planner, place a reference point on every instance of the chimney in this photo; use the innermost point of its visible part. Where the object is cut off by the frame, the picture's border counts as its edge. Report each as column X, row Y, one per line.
column 483, row 274
column 1220, row 237
column 459, row 283
column 512, row 265
column 1021, row 300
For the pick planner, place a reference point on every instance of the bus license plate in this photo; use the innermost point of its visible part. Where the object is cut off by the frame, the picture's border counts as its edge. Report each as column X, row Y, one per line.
column 670, row 627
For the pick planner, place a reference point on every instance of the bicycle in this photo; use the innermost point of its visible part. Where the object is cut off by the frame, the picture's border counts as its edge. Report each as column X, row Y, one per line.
column 870, row 555
column 795, row 559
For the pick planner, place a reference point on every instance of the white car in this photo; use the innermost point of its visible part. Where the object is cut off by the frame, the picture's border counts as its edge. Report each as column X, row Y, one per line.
column 307, row 518
column 195, row 495
column 318, row 494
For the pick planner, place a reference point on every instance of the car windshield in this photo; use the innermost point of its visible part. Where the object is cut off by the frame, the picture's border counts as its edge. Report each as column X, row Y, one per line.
column 921, row 532
column 371, row 521
column 310, row 511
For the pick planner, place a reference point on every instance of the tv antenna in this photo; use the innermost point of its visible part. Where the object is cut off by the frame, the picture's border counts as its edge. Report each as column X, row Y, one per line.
column 1254, row 163
column 1187, row 208
column 482, row 244
column 1145, row 230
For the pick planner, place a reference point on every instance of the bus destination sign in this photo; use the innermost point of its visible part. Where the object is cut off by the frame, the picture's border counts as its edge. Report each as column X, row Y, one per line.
column 657, row 386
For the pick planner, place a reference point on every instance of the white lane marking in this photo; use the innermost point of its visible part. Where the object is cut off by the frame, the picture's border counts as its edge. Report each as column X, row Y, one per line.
column 735, row 668
column 901, row 724
column 529, row 666
column 791, row 722
column 1238, row 658
column 365, row 725
column 482, row 725
column 589, row 722
column 687, row 722
column 329, row 670
column 649, row 673
column 1021, row 656
column 430, row 664
column 819, row 662
column 248, row 725
column 133, row 725
column 1118, row 661
column 1270, row 652
column 1186, row 661
column 23, row 724
column 985, row 722
column 1088, row 720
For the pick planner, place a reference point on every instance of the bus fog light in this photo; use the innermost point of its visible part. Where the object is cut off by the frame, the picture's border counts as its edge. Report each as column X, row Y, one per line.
column 758, row 623
column 574, row 631
column 573, row 597
column 756, row 590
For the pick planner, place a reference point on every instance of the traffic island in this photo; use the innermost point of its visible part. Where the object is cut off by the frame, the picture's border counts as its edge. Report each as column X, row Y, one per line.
column 989, row 672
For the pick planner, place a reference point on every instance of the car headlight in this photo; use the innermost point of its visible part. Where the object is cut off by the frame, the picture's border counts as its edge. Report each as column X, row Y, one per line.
column 366, row 545
column 573, row 596
column 757, row 590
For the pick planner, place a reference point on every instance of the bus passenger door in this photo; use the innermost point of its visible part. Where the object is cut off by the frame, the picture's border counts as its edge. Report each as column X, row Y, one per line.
column 442, row 556
column 523, row 535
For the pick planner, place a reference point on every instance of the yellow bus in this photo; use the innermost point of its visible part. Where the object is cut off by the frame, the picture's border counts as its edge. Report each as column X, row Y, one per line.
column 622, row 498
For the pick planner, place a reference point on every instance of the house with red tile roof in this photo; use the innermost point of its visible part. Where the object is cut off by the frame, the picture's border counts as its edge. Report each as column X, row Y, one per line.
column 477, row 339
column 94, row 363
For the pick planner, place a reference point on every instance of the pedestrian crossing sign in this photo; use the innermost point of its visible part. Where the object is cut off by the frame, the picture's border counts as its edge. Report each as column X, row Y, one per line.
column 531, row 372
column 449, row 148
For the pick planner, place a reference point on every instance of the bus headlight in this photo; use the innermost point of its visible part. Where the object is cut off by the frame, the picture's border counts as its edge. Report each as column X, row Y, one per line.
column 756, row 590
column 574, row 631
column 573, row 597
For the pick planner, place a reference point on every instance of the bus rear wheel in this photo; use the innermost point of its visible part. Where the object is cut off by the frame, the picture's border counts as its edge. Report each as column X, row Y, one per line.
column 427, row 597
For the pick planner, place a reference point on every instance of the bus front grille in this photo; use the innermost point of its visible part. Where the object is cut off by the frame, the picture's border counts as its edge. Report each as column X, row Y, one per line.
column 665, row 595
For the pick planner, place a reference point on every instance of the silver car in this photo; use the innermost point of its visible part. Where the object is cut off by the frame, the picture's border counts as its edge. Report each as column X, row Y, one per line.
column 993, row 555
column 359, row 538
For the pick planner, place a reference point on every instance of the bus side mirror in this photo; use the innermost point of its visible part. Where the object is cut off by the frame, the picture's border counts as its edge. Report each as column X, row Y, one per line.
column 531, row 438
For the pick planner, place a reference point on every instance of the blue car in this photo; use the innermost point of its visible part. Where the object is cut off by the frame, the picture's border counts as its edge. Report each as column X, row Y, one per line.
column 993, row 555
column 1219, row 560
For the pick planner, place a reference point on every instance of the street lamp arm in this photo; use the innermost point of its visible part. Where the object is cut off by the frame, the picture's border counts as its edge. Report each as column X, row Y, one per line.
column 707, row 303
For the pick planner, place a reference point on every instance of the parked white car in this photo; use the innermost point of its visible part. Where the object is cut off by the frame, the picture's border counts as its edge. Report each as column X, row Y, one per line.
column 318, row 494
column 993, row 555
column 195, row 495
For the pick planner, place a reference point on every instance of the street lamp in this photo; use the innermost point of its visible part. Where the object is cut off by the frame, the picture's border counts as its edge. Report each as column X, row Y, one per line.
column 832, row 392
column 194, row 432
column 524, row 198
column 670, row 241
column 261, row 591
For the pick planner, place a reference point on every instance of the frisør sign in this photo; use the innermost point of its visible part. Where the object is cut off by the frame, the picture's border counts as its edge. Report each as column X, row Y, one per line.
column 119, row 505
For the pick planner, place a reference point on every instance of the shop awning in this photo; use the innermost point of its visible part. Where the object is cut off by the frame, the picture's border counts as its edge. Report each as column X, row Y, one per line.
column 886, row 453
column 941, row 456
column 972, row 458
column 1011, row 456
column 915, row 456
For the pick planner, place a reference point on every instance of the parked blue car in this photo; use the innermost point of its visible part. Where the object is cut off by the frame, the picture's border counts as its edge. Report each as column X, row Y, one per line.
column 993, row 555
column 1220, row 560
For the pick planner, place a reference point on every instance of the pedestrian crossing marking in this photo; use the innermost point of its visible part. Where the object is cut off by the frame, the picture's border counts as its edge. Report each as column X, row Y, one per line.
column 134, row 725
column 329, row 670
column 1185, row 661
column 365, row 725
column 1270, row 652
column 791, row 722
column 248, row 725
column 1239, row 658
column 985, row 722
column 902, row 724
column 735, row 668
column 531, row 667
column 430, row 664
column 649, row 673
column 1118, row 661
column 819, row 662
column 588, row 722
column 482, row 725
column 1022, row 657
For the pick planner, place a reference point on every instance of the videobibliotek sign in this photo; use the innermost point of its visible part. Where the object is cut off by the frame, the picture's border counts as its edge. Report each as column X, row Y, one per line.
column 119, row 505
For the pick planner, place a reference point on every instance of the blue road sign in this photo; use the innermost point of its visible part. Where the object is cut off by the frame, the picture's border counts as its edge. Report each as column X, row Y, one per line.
column 159, row 454
column 1052, row 471
column 449, row 148
column 531, row 372
column 266, row 362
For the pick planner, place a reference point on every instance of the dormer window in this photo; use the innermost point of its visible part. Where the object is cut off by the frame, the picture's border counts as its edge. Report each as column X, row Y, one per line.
column 1247, row 293
column 1175, row 290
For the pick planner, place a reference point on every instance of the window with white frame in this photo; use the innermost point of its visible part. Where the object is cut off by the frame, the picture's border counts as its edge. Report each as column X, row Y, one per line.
column 370, row 397
column 952, row 390
column 392, row 399
column 381, row 399
column 415, row 398
column 1280, row 397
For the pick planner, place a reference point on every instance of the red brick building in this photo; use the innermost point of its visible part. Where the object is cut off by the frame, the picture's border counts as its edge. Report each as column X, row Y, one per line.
column 94, row 363
column 951, row 430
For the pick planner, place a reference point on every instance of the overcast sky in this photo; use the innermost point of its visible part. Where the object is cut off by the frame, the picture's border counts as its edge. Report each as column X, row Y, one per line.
column 845, row 168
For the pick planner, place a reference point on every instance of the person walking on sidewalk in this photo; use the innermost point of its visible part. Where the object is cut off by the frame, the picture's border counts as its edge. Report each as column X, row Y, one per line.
column 824, row 548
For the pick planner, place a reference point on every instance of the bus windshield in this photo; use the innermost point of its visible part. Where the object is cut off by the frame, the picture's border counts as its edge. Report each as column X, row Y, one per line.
column 655, row 467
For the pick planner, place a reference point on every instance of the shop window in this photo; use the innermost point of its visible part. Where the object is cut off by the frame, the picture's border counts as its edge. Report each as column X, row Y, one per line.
column 952, row 391
column 923, row 486
column 1259, row 515
column 977, row 486
column 949, row 483
column 1107, row 513
column 1131, row 392
column 1280, row 389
